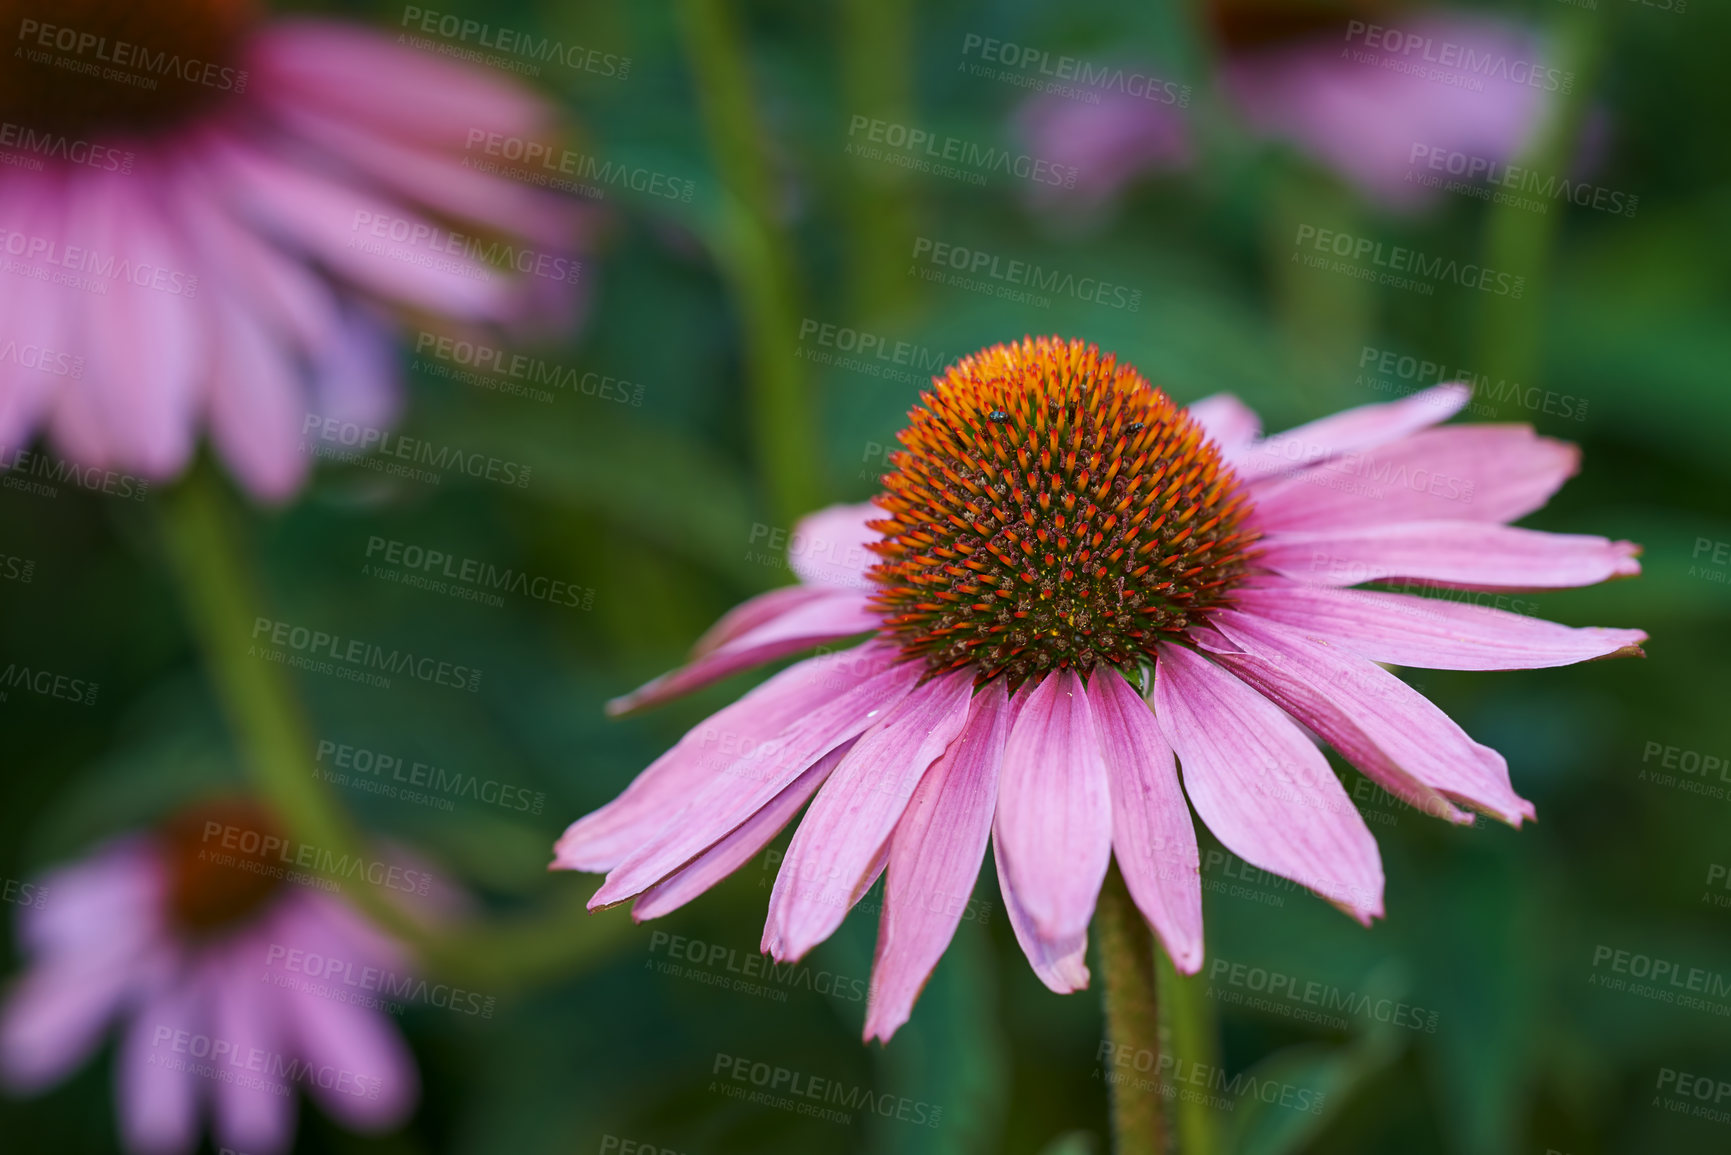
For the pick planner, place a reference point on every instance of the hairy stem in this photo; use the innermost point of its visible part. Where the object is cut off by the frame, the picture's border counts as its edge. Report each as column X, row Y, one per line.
column 1126, row 948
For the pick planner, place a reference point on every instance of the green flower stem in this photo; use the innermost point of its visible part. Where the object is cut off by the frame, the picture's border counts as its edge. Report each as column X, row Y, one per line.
column 876, row 63
column 1190, row 1039
column 256, row 696
column 1126, row 948
column 222, row 602
column 1518, row 241
column 756, row 258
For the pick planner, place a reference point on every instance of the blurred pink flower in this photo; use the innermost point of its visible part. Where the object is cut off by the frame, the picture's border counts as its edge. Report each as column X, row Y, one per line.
column 1076, row 581
column 173, row 936
column 1376, row 103
column 225, row 247
column 1109, row 144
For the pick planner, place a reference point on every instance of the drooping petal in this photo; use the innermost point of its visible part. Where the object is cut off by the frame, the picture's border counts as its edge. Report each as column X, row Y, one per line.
column 934, row 859
column 1377, row 722
column 1061, row 964
column 1152, row 836
column 829, row 863
column 144, row 370
column 752, row 781
column 1487, row 473
column 737, row 848
column 1350, row 431
column 1230, row 423
column 1457, row 553
column 1054, row 820
column 55, row 1014
column 257, row 407
column 382, row 1084
column 757, row 611
column 354, row 378
column 255, row 1113
column 1262, row 787
column 114, row 893
column 335, row 223
column 438, row 180
column 354, row 73
column 1432, row 633
column 601, row 840
column 156, row 1091
column 812, row 624
column 828, row 548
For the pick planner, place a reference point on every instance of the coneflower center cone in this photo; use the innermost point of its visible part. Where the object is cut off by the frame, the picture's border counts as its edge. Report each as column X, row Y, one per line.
column 221, row 868
column 92, row 68
column 1051, row 509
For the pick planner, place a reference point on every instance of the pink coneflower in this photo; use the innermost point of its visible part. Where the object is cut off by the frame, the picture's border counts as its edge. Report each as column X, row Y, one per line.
column 1110, row 144
column 1059, row 549
column 170, row 934
column 1379, row 98
column 207, row 220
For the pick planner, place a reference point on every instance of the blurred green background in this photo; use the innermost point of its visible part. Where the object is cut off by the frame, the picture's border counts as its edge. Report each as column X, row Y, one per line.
column 712, row 310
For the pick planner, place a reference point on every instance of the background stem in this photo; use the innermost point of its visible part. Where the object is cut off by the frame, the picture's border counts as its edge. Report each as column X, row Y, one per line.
column 222, row 602
column 757, row 260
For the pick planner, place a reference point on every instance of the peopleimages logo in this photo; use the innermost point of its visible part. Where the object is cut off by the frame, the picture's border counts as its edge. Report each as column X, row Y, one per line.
column 1043, row 71
column 357, row 657
column 1408, row 50
column 522, row 157
column 55, row 146
column 1399, row 261
column 922, row 150
column 367, row 446
column 124, row 55
column 260, row 852
column 542, row 49
column 976, row 268
column 1513, row 177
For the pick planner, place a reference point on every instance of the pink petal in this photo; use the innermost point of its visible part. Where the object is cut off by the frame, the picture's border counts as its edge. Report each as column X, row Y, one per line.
column 34, row 314
column 1228, row 422
column 1350, row 430
column 603, row 839
column 758, row 611
column 438, row 180
column 1262, row 787
column 143, row 372
column 1054, row 820
column 157, row 1095
column 333, row 222
column 116, row 892
column 828, row 548
column 934, row 859
column 1455, row 553
column 832, row 619
column 354, row 377
column 751, row 782
column 829, row 863
column 1060, row 964
column 362, row 1071
column 245, row 1010
column 399, row 90
column 1432, row 633
column 1489, row 473
column 286, row 295
column 737, row 848
column 1152, row 837
column 1377, row 722
column 55, row 1014
column 257, row 407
